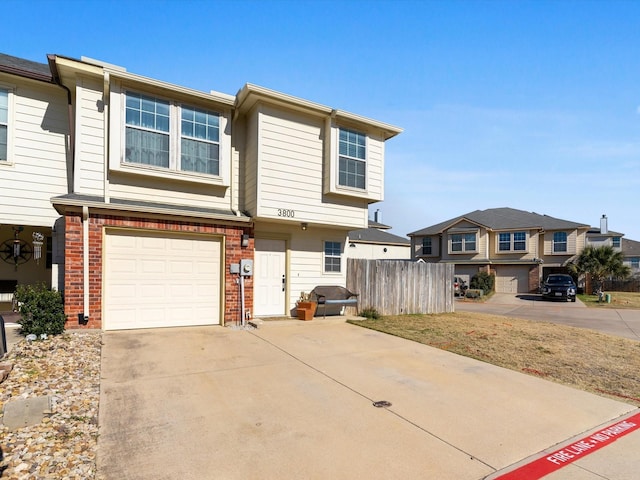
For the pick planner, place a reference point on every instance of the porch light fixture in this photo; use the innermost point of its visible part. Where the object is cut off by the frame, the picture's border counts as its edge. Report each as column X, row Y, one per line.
column 244, row 242
column 304, row 225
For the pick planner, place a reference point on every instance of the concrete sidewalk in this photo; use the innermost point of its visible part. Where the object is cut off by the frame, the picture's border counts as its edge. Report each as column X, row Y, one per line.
column 296, row 400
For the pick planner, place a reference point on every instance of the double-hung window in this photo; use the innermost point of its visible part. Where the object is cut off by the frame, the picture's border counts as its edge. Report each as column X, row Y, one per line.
column 332, row 257
column 4, row 124
column 615, row 242
column 635, row 262
column 559, row 242
column 163, row 134
column 463, row 242
column 512, row 242
column 352, row 167
column 426, row 246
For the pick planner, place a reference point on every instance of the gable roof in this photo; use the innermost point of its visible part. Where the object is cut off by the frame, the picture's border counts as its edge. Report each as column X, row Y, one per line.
column 373, row 235
column 503, row 219
column 25, row 68
column 630, row 248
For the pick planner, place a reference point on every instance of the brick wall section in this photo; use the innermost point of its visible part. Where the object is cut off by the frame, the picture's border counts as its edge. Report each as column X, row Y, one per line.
column 74, row 281
column 534, row 279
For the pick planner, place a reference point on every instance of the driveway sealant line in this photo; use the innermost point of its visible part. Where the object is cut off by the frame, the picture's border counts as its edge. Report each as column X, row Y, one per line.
column 431, row 434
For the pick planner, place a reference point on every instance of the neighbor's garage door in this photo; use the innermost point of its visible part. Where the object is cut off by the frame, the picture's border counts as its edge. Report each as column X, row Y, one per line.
column 160, row 280
column 512, row 279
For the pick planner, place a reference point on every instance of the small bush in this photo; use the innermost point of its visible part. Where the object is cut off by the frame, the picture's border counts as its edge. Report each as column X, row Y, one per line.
column 370, row 313
column 41, row 309
column 483, row 281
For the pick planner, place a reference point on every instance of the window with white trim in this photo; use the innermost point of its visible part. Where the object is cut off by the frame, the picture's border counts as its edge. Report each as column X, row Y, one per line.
column 332, row 257
column 512, row 242
column 635, row 262
column 426, row 246
column 615, row 242
column 153, row 137
column 463, row 242
column 559, row 242
column 352, row 164
column 4, row 124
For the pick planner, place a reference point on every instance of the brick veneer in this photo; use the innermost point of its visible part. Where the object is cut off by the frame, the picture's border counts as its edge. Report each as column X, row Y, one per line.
column 73, row 278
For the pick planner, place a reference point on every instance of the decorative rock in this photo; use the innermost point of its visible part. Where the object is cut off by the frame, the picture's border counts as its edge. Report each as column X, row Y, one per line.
column 67, row 369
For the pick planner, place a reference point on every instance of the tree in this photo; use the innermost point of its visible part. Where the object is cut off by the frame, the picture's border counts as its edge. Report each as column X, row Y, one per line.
column 601, row 263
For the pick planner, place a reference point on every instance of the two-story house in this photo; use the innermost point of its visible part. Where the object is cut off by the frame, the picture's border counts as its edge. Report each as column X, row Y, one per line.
column 197, row 208
column 631, row 251
column 34, row 155
column 602, row 236
column 519, row 247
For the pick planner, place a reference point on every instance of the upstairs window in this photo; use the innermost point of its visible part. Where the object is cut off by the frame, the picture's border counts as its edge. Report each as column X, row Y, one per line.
column 512, row 242
column 332, row 257
column 352, row 159
column 615, row 242
column 559, row 242
column 199, row 146
column 426, row 246
column 147, row 130
column 463, row 242
column 4, row 124
column 162, row 134
column 635, row 262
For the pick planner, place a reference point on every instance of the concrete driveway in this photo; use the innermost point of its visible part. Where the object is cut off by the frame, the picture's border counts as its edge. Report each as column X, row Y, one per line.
column 295, row 400
column 619, row 322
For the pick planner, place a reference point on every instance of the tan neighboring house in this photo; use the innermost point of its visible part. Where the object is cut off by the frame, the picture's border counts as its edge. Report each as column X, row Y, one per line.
column 602, row 236
column 375, row 243
column 520, row 248
column 34, row 130
column 631, row 251
column 180, row 207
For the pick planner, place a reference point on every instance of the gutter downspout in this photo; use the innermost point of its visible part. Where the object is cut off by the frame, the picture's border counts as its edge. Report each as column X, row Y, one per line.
column 55, row 75
column 105, row 140
column 85, row 264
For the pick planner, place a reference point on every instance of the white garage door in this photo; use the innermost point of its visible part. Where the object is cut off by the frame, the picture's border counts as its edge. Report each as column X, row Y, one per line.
column 160, row 280
column 512, row 279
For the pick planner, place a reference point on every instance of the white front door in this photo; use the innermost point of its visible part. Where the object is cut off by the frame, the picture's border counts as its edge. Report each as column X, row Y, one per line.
column 269, row 281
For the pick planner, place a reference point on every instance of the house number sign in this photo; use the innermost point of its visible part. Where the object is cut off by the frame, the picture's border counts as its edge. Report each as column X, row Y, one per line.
column 285, row 212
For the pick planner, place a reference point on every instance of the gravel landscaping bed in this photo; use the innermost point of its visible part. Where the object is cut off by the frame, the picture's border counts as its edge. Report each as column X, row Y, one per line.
column 66, row 368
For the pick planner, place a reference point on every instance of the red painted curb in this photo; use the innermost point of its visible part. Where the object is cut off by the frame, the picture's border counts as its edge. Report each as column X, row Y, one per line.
column 560, row 458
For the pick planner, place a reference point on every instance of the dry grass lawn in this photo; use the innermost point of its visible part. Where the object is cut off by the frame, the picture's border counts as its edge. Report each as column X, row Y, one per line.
column 580, row 358
column 618, row 300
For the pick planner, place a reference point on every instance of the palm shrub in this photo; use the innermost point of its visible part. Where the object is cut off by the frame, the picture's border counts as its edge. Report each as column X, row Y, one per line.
column 41, row 310
column 483, row 281
column 601, row 263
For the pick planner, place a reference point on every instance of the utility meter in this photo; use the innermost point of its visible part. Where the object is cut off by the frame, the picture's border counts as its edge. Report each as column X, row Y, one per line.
column 246, row 267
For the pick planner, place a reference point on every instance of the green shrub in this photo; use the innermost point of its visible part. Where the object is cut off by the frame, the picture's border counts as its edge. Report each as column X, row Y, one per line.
column 41, row 309
column 370, row 313
column 483, row 281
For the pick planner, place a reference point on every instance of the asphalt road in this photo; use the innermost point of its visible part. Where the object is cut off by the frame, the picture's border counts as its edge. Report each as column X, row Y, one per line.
column 612, row 321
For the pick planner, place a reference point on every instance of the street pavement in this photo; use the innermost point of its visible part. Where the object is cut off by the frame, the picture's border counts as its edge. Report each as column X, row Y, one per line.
column 619, row 322
column 326, row 399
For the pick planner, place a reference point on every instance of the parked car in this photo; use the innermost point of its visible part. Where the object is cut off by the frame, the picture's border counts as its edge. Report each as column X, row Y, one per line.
column 559, row 286
column 459, row 286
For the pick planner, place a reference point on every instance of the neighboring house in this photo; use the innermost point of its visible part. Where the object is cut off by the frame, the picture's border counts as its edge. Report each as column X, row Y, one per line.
column 374, row 243
column 34, row 155
column 519, row 247
column 173, row 192
column 600, row 237
column 631, row 252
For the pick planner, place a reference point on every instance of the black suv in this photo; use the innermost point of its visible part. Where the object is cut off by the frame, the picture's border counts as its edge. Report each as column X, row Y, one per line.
column 559, row 286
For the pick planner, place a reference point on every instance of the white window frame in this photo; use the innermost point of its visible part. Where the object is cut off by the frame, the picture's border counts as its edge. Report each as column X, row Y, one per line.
column 117, row 143
column 512, row 242
column 326, row 257
column 616, row 242
column 635, row 262
column 351, row 158
column 10, row 89
column 463, row 242
column 565, row 242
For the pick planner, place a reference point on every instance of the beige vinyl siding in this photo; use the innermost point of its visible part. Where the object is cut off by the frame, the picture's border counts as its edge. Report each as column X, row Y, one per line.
column 572, row 242
column 290, row 166
column 249, row 164
column 482, row 242
column 89, row 138
column 36, row 169
column 375, row 168
column 529, row 254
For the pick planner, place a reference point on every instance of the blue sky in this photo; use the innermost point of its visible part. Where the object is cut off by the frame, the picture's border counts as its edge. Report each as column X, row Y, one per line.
column 530, row 105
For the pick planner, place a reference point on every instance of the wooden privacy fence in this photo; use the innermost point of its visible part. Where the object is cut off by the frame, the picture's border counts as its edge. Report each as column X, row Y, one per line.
column 398, row 287
column 621, row 285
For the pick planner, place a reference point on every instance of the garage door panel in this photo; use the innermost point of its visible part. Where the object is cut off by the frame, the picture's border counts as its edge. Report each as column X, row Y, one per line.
column 161, row 280
column 512, row 279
